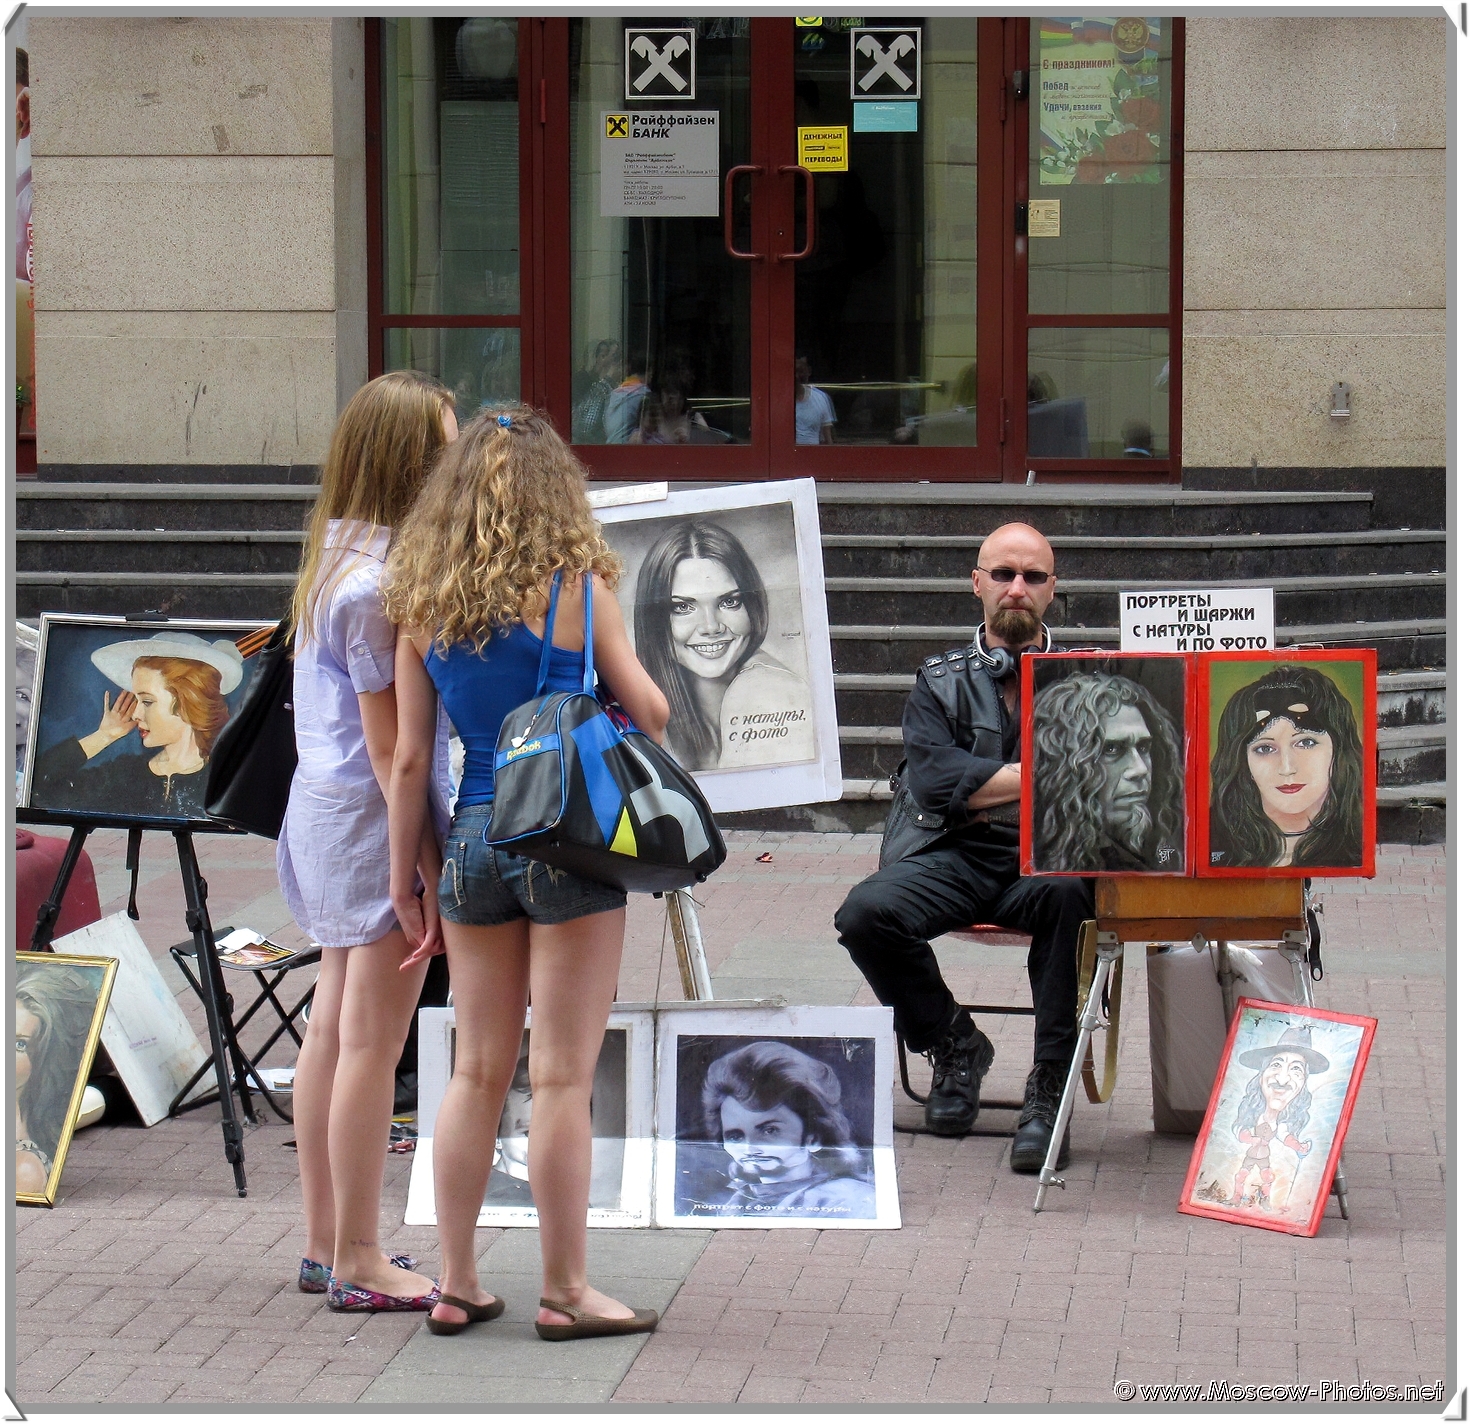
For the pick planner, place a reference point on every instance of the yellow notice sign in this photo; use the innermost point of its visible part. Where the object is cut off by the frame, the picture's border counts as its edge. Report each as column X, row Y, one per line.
column 1044, row 217
column 823, row 150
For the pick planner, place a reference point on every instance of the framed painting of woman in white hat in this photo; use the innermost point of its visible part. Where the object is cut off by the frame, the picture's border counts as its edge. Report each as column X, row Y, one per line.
column 128, row 712
column 1274, row 1128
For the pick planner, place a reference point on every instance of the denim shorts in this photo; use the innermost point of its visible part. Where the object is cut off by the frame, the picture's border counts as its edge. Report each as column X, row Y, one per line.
column 481, row 885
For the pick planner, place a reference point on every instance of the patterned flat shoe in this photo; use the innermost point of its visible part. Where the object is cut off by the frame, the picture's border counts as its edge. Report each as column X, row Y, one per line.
column 341, row 1295
column 314, row 1276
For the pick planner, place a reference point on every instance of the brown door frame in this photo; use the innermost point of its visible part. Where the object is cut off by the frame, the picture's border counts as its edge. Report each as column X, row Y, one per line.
column 1018, row 464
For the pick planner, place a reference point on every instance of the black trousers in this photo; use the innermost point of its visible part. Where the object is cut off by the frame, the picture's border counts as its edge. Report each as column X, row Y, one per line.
column 887, row 921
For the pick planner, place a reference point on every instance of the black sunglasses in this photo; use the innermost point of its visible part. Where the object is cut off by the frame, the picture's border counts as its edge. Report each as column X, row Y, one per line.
column 1034, row 577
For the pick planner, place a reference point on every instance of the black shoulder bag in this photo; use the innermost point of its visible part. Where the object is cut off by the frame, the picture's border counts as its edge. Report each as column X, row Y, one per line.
column 254, row 757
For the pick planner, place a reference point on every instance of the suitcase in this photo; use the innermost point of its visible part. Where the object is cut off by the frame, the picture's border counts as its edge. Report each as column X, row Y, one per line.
column 37, row 859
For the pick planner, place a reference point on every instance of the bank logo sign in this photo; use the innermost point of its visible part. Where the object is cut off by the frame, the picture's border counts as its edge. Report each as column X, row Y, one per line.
column 885, row 62
column 658, row 63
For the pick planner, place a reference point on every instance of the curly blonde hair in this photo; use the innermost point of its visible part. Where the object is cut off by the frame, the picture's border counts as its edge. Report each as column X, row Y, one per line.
column 504, row 508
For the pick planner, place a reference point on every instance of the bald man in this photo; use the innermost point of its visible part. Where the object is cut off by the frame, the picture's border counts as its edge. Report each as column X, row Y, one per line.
column 951, row 857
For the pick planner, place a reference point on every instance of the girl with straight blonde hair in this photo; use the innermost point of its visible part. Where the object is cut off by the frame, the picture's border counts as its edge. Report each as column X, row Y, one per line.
column 333, row 849
column 469, row 581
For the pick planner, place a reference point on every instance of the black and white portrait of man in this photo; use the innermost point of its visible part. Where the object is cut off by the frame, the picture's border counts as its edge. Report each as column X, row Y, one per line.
column 1107, row 765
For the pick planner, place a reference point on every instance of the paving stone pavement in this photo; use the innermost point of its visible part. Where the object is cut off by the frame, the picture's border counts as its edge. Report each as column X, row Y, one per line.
column 151, row 1282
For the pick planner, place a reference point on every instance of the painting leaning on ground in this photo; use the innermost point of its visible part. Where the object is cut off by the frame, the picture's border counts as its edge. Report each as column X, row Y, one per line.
column 127, row 713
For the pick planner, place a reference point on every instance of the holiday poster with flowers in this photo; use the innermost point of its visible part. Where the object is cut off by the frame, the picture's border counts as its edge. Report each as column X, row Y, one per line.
column 1100, row 110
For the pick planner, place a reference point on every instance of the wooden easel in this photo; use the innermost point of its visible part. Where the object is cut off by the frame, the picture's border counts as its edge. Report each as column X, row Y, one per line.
column 1139, row 911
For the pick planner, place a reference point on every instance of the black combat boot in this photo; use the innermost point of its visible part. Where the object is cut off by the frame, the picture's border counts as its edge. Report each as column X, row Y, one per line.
column 960, row 1060
column 1039, row 1110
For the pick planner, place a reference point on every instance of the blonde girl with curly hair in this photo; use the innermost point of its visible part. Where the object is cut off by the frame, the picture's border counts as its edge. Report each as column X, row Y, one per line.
column 469, row 584
column 332, row 852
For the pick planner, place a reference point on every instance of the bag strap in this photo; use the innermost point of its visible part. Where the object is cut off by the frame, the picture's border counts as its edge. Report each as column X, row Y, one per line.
column 589, row 676
column 546, row 634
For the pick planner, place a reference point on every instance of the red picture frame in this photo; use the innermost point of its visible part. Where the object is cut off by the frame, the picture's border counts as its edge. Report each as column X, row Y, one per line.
column 1251, row 1176
column 1159, row 838
column 1218, row 695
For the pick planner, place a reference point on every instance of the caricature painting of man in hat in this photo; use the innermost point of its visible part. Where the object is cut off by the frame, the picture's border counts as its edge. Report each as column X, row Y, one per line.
column 1278, row 1116
column 150, row 720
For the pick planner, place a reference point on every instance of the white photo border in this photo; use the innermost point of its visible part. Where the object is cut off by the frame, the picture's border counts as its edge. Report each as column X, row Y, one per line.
column 802, row 783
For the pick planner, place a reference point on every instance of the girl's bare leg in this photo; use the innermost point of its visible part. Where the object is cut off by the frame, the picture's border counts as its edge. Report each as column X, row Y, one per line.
column 488, row 970
column 574, row 979
column 311, row 1101
column 378, row 1002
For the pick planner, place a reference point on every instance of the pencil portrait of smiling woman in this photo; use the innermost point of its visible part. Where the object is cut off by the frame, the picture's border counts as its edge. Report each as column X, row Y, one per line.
column 702, row 618
column 1287, row 775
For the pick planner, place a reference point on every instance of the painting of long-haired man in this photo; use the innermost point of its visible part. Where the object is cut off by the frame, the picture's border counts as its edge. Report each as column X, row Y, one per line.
column 1107, row 784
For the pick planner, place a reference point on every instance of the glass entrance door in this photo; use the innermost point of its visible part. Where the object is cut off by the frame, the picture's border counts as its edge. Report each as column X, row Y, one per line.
column 774, row 261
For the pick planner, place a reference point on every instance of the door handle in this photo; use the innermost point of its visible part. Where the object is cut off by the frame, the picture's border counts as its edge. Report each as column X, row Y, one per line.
column 730, row 211
column 811, row 215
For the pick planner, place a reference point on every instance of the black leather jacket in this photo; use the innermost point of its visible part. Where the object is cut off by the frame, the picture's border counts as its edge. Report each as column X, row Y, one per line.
column 957, row 735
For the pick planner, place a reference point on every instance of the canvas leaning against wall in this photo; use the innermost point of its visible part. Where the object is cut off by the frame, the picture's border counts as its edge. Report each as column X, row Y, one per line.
column 724, row 595
column 126, row 714
column 1286, row 771
column 1104, row 789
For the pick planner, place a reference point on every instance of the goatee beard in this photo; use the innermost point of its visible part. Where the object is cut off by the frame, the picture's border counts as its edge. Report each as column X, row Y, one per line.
column 1015, row 626
column 1132, row 830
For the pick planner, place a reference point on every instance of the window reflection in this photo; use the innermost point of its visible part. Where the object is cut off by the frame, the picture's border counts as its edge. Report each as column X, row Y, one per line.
column 1098, row 392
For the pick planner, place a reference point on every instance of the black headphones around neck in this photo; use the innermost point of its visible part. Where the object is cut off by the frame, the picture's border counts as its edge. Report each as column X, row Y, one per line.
column 1001, row 662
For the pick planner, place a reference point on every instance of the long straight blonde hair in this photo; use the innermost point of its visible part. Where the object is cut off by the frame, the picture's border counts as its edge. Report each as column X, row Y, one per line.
column 384, row 444
column 505, row 508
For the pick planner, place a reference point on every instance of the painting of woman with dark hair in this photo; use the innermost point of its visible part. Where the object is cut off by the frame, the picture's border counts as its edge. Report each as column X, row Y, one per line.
column 173, row 687
column 58, row 1015
column 700, row 622
column 1287, row 774
column 778, row 1113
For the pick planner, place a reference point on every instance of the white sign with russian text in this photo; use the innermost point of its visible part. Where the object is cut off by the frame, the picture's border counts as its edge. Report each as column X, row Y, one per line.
column 1197, row 620
column 661, row 163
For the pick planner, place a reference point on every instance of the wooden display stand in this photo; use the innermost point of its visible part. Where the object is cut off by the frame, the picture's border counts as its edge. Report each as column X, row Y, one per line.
column 1141, row 910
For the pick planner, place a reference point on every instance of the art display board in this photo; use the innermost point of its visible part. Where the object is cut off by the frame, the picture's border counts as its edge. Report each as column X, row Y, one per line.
column 60, row 1005
column 1286, row 764
column 145, row 1033
column 1274, row 1128
column 775, row 1117
column 1104, row 750
column 622, row 1127
column 1278, row 750
column 725, row 597
column 126, row 712
column 802, row 1097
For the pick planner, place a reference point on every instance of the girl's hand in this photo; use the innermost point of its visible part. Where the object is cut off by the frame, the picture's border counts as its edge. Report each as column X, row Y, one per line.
column 117, row 722
column 429, row 939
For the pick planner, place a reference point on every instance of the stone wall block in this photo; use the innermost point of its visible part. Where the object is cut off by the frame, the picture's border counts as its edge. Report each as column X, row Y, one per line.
column 184, row 234
column 206, row 398
column 1265, row 397
column 163, row 85
column 1258, row 81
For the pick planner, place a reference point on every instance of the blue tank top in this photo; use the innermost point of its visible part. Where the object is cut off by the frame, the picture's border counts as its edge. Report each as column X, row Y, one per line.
column 478, row 689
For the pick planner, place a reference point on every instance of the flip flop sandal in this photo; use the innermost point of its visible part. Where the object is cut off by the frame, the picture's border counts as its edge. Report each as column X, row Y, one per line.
column 476, row 1314
column 585, row 1326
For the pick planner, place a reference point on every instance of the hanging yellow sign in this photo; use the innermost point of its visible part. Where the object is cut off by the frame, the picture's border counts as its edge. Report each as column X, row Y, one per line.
column 822, row 150
column 808, row 22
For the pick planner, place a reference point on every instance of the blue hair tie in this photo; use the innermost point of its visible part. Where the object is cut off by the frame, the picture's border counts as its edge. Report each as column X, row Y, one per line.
column 503, row 421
